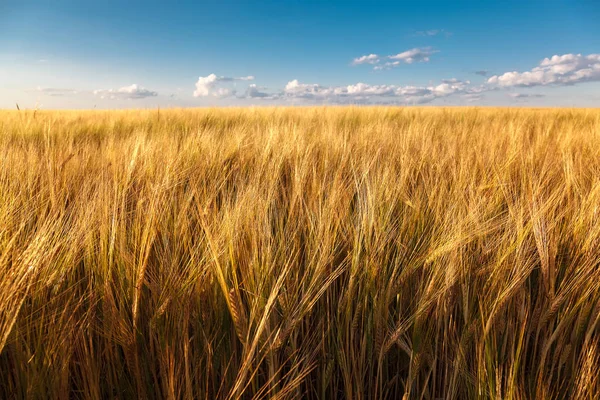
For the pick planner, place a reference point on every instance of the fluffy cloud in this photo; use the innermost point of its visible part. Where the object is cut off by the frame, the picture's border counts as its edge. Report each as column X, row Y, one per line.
column 127, row 92
column 365, row 93
column 567, row 69
column 362, row 89
column 207, row 85
column 310, row 91
column 370, row 59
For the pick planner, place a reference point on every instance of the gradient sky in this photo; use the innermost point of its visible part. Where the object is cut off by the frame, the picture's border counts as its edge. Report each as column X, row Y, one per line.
column 133, row 54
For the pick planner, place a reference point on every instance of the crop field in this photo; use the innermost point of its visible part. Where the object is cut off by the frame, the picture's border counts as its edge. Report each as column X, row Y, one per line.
column 319, row 253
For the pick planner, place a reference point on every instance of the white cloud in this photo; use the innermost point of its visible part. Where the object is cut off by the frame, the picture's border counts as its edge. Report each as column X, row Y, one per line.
column 370, row 59
column 127, row 92
column 207, row 85
column 567, row 69
column 365, row 93
column 451, row 86
column 296, row 89
column 557, row 70
column 414, row 55
column 387, row 65
column 135, row 91
column 362, row 89
column 411, row 56
column 293, row 85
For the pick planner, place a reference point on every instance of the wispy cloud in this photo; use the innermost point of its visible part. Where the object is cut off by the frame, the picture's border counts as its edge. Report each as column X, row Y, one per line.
column 415, row 55
column 369, row 59
column 568, row 69
column 433, row 32
column 473, row 97
column 526, row 95
column 132, row 92
column 228, row 79
column 208, row 85
column 56, row 92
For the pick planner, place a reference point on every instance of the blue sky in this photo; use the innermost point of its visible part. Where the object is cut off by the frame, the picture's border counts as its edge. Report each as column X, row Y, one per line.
column 131, row 54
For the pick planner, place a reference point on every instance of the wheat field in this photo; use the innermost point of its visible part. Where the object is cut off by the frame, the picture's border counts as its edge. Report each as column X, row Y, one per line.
column 319, row 253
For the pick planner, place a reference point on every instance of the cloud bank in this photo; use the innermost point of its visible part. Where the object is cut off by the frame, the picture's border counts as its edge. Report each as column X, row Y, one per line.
column 365, row 93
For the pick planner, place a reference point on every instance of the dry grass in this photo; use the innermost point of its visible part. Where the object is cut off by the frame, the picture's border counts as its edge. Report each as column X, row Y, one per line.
column 312, row 252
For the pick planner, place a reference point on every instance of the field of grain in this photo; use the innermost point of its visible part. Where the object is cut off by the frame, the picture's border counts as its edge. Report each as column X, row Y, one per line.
column 321, row 253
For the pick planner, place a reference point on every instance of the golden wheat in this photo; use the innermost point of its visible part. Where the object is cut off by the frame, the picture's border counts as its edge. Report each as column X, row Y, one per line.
column 300, row 252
